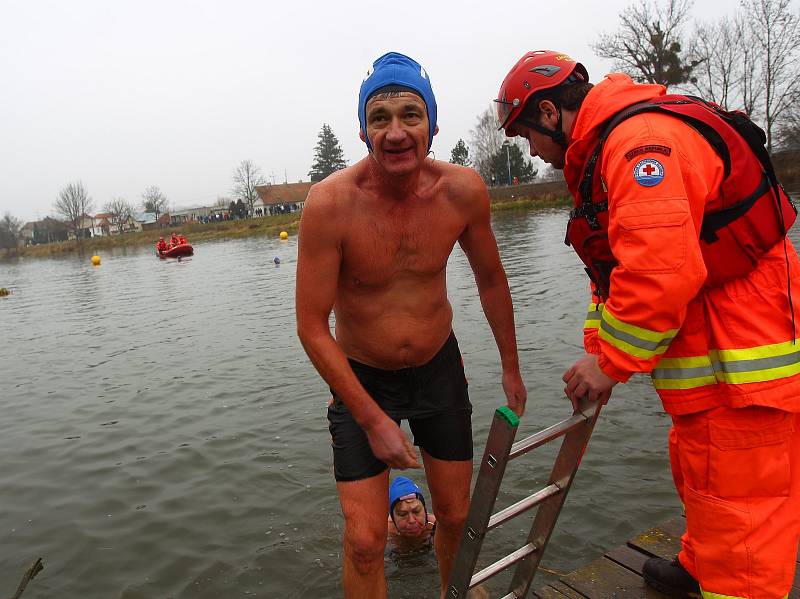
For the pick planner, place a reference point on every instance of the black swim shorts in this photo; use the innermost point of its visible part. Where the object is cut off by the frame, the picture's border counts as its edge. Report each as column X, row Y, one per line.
column 432, row 397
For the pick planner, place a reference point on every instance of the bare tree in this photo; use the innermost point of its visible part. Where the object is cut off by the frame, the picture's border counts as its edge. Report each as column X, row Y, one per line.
column 748, row 81
column 222, row 201
column 9, row 231
column 121, row 213
column 716, row 51
column 246, row 177
column 72, row 204
column 787, row 137
column 648, row 44
column 776, row 35
column 486, row 142
column 153, row 200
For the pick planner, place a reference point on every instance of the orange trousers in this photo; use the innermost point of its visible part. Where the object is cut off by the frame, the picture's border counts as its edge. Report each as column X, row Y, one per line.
column 737, row 472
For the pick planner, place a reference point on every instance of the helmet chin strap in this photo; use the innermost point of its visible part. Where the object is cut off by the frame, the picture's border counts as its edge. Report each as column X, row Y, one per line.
column 557, row 134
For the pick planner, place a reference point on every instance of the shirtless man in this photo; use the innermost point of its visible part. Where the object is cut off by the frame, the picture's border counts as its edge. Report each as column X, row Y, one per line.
column 374, row 243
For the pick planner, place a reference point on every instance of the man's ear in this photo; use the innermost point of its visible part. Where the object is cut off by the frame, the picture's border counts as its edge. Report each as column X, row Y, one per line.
column 548, row 109
column 436, row 129
column 361, row 135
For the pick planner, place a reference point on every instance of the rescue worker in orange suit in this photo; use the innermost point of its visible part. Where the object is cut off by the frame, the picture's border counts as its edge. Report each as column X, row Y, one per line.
column 182, row 239
column 695, row 283
column 174, row 240
column 161, row 245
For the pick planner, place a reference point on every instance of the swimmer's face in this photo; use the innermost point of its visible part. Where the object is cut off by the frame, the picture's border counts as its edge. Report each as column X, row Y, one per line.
column 409, row 517
column 397, row 127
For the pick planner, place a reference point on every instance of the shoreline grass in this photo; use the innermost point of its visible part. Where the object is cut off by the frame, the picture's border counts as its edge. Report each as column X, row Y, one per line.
column 268, row 226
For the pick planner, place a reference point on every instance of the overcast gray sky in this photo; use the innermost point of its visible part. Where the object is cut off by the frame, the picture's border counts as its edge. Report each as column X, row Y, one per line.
column 123, row 95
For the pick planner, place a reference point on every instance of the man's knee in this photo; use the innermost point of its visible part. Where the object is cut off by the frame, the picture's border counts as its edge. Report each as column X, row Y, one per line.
column 365, row 548
column 452, row 515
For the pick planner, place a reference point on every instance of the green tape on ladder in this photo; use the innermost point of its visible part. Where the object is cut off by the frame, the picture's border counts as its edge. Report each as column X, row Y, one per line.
column 508, row 415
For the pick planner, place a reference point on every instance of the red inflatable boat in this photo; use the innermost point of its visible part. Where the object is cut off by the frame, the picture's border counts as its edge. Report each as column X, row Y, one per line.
column 184, row 249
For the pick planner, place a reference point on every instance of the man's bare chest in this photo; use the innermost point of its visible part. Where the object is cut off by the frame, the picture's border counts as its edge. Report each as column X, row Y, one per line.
column 385, row 247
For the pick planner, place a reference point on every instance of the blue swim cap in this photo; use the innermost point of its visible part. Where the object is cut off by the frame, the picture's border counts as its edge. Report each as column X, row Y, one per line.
column 400, row 488
column 396, row 69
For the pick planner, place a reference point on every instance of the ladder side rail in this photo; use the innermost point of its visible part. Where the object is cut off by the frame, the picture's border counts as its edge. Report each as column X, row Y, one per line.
column 546, row 435
column 564, row 469
column 484, row 495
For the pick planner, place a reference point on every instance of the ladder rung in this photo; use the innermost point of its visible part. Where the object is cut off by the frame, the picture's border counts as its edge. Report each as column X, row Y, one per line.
column 544, row 436
column 522, row 506
column 511, row 595
column 502, row 564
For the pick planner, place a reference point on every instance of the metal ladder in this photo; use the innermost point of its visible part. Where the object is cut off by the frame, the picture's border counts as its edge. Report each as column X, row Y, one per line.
column 500, row 449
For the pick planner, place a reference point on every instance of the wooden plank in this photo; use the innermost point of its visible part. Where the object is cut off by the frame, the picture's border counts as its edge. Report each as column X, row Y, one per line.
column 658, row 542
column 558, row 591
column 566, row 591
column 606, row 578
column 675, row 527
column 628, row 557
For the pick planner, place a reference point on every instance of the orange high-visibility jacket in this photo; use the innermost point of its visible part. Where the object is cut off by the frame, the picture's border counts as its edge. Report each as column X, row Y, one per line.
column 731, row 345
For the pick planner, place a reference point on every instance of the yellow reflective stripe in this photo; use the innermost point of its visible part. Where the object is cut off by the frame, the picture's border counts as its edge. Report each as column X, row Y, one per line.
column 683, row 373
column 687, row 362
column 757, row 364
column 732, row 366
column 692, row 383
column 759, row 376
column 756, row 353
column 707, row 595
column 633, row 340
column 593, row 316
column 638, row 332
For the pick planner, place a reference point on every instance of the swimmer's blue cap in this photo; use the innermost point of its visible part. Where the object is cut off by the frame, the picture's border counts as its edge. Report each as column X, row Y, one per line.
column 403, row 487
column 396, row 69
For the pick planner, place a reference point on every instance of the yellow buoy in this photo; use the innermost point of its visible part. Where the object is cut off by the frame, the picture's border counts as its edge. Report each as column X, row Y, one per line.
column 96, row 260
column 4, row 292
column 284, row 235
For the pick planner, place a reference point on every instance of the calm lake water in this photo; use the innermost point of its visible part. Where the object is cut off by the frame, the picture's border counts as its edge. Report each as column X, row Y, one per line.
column 164, row 435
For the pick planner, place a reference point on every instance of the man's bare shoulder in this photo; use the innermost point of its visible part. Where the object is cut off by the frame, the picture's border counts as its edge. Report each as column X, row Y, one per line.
column 464, row 184
column 330, row 196
column 336, row 187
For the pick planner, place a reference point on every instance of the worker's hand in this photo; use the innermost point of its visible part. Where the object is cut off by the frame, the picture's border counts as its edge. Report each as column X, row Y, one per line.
column 391, row 445
column 516, row 394
column 584, row 378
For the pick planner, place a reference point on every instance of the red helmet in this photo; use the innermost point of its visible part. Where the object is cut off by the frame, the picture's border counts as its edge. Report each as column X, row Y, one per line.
column 535, row 72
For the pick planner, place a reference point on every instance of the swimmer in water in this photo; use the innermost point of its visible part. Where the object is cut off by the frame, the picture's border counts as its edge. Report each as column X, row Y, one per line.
column 410, row 526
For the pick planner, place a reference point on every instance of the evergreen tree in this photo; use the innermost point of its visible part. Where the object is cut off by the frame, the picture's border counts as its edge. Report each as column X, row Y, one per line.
column 328, row 155
column 460, row 154
column 520, row 166
column 241, row 209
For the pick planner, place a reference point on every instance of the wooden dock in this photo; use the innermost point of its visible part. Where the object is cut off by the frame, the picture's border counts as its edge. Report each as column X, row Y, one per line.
column 618, row 573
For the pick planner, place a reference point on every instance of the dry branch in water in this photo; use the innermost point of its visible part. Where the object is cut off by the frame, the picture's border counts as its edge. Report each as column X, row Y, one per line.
column 29, row 575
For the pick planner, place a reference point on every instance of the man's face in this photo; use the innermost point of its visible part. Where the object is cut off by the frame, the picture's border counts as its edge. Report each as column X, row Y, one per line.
column 397, row 127
column 409, row 517
column 542, row 145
